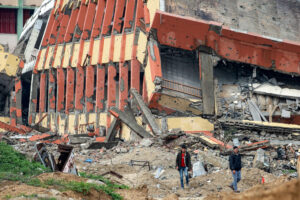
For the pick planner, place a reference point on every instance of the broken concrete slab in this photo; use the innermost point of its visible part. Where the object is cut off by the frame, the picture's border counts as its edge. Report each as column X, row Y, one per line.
column 268, row 89
column 198, row 169
column 113, row 130
column 146, row 142
column 250, row 147
column 77, row 140
column 255, row 112
column 99, row 145
column 216, row 161
column 132, row 124
column 259, row 159
column 146, row 112
column 284, row 142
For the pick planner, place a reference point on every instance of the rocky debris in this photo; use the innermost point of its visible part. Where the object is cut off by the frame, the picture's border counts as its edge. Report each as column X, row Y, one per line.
column 259, row 159
column 146, row 142
column 212, row 159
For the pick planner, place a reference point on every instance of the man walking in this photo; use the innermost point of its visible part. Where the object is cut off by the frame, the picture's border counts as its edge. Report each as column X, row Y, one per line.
column 235, row 165
column 183, row 165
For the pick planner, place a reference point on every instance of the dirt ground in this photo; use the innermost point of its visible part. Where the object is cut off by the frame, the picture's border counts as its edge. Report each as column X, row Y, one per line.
column 271, row 191
column 144, row 186
column 168, row 183
column 15, row 190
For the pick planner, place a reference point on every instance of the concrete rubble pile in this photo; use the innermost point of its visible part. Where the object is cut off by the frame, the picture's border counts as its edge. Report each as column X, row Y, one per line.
column 117, row 87
column 109, row 155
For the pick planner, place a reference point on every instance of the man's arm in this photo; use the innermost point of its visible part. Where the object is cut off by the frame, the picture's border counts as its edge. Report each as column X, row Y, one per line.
column 231, row 162
column 177, row 160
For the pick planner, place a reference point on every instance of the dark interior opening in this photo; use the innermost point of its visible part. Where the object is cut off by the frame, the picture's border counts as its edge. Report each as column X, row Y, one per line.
column 26, row 83
column 179, row 65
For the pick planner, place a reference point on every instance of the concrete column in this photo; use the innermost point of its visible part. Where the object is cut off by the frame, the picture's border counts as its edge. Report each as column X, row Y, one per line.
column 207, row 83
column 20, row 18
column 33, row 97
column 123, row 85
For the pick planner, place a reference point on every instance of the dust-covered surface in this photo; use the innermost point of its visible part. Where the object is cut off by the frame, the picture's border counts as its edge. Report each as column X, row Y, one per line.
column 274, row 18
column 168, row 183
column 276, row 190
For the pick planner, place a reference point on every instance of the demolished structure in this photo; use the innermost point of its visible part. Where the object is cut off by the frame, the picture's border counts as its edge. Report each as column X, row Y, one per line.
column 120, row 85
column 93, row 52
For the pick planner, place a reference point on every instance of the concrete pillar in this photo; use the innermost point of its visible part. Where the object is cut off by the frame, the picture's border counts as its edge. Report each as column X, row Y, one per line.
column 89, row 89
column 20, row 18
column 123, row 85
column 70, row 90
column 207, row 83
column 33, row 97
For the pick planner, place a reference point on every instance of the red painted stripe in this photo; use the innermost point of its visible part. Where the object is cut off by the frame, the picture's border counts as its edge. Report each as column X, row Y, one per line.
column 100, row 69
column 118, row 16
column 79, row 88
column 135, row 65
column 49, row 27
column 155, row 64
column 85, row 18
column 135, row 74
column 98, row 19
column 105, row 26
column 100, row 87
column 70, row 71
column 123, row 67
column 129, row 14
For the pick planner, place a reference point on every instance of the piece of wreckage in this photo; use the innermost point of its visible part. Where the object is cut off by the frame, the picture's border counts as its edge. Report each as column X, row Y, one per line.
column 91, row 57
column 65, row 162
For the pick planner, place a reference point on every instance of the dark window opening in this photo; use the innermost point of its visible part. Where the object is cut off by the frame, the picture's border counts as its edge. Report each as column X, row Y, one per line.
column 26, row 15
column 8, row 21
column 26, row 84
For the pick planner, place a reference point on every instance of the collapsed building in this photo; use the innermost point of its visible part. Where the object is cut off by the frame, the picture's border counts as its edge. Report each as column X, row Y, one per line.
column 94, row 52
column 10, row 68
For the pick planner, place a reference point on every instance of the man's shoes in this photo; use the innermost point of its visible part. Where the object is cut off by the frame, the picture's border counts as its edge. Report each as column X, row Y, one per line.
column 237, row 191
column 231, row 187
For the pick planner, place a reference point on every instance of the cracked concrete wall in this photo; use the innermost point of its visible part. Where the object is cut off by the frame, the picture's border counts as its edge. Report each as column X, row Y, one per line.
column 274, row 18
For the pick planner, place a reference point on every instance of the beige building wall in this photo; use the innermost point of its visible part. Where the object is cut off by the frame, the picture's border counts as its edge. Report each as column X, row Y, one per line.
column 9, row 2
column 10, row 39
column 36, row 3
column 25, row 2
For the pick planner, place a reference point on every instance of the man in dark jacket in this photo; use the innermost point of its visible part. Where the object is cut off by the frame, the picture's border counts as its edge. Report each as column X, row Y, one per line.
column 235, row 165
column 183, row 165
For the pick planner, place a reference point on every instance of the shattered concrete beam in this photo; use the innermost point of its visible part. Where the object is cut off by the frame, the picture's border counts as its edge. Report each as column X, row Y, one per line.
column 132, row 124
column 11, row 128
column 250, row 147
column 146, row 112
column 113, row 130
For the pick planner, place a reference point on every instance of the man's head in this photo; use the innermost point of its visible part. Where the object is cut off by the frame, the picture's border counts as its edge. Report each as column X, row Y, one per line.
column 183, row 148
column 235, row 149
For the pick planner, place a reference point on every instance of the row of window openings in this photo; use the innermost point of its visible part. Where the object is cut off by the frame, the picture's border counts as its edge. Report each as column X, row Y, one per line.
column 8, row 19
